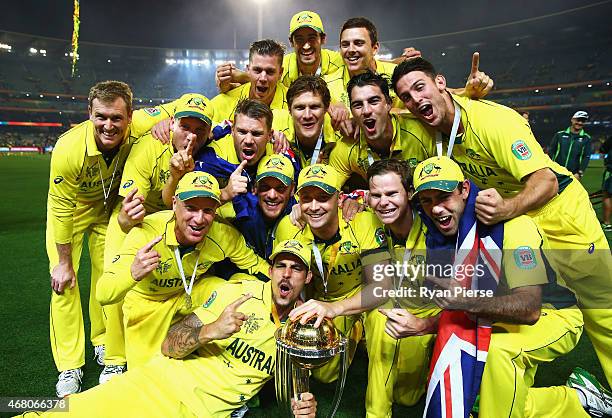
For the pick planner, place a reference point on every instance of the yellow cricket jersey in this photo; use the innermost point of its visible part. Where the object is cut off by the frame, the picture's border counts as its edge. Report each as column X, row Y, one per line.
column 222, row 241
column 337, row 82
column 330, row 137
column 331, row 61
column 411, row 255
column 412, row 141
column 497, row 148
column 229, row 372
column 147, row 168
column 224, row 104
column 358, row 243
column 80, row 173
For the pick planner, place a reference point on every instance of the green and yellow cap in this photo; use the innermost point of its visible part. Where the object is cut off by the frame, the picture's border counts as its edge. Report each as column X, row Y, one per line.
column 294, row 247
column 198, row 184
column 194, row 106
column 306, row 19
column 277, row 166
column 440, row 173
column 322, row 176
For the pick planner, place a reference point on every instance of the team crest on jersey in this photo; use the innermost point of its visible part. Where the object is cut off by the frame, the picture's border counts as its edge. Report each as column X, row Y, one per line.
column 521, row 150
column 58, row 180
column 380, row 236
column 164, row 175
column 164, row 266
column 251, row 324
column 524, row 257
column 152, row 111
column 363, row 163
column 347, row 247
column 127, row 184
column 90, row 171
column 210, row 299
column 413, row 162
column 417, row 259
column 472, row 154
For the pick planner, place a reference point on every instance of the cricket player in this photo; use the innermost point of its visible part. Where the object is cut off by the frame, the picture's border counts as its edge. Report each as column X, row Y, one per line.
column 232, row 159
column 158, row 270
column 381, row 133
column 264, row 72
column 529, row 326
column 309, row 130
column 86, row 167
column 345, row 255
column 497, row 150
column 398, row 368
column 217, row 357
column 146, row 171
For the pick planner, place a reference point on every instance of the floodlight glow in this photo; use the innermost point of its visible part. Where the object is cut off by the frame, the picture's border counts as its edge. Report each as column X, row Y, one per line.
column 33, row 51
column 43, row 51
column 590, row 85
column 6, row 47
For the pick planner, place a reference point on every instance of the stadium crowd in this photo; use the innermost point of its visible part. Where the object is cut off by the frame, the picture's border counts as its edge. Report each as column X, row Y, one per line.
column 217, row 215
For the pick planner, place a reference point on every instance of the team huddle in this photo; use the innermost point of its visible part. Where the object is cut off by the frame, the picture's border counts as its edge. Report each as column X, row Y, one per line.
column 284, row 197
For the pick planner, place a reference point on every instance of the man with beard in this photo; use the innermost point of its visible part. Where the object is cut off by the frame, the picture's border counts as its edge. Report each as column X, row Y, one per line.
column 381, row 133
column 215, row 358
column 496, row 149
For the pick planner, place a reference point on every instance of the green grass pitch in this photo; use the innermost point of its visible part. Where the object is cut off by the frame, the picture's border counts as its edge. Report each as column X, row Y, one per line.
column 27, row 364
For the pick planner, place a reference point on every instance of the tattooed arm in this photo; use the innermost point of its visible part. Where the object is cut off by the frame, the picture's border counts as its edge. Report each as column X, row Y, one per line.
column 188, row 335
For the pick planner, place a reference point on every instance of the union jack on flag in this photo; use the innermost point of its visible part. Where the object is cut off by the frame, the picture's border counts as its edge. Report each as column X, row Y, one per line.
column 461, row 347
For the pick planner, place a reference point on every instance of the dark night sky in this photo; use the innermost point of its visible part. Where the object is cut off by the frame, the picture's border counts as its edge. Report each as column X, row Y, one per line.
column 211, row 23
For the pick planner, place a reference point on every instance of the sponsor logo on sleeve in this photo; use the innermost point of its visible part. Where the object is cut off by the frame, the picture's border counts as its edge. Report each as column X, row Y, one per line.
column 521, row 150
column 210, row 299
column 525, row 259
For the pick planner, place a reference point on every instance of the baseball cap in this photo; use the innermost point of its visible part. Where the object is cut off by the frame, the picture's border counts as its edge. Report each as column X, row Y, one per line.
column 440, row 173
column 306, row 19
column 294, row 247
column 581, row 114
column 277, row 166
column 198, row 184
column 194, row 106
column 322, row 176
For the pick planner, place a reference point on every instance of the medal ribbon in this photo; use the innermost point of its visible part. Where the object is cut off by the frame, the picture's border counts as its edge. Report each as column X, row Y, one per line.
column 453, row 134
column 179, row 263
column 319, row 260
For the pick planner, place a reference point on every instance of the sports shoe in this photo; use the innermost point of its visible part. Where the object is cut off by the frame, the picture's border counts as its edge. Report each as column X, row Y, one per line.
column 109, row 372
column 596, row 400
column 99, row 354
column 68, row 382
column 240, row 412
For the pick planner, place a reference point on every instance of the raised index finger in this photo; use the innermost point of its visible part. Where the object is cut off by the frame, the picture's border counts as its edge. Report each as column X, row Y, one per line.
column 190, row 144
column 240, row 167
column 235, row 304
column 475, row 62
column 152, row 243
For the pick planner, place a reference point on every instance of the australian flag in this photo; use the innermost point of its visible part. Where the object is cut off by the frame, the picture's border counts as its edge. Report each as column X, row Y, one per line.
column 462, row 344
